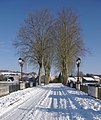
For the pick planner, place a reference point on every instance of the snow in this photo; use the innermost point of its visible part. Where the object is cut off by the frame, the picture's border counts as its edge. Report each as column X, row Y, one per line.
column 50, row 102
column 72, row 79
column 96, row 77
column 89, row 78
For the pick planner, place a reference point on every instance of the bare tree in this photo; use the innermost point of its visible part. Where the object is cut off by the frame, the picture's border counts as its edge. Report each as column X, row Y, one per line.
column 33, row 37
column 69, row 43
column 48, row 58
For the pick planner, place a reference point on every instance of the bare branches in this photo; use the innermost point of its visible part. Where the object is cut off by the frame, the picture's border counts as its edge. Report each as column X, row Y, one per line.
column 43, row 38
column 69, row 43
column 34, row 38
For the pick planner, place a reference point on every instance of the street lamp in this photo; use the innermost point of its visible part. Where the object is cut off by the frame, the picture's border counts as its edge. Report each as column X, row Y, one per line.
column 21, row 62
column 78, row 61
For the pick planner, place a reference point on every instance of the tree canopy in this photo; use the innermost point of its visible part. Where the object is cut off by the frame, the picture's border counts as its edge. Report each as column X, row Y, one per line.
column 43, row 37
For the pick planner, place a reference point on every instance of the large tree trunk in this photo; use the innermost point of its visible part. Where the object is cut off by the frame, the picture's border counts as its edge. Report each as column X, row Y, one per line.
column 64, row 77
column 47, row 76
column 40, row 74
column 64, row 74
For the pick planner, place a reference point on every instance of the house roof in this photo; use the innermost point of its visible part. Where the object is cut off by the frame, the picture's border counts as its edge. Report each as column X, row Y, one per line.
column 9, row 73
column 73, row 79
column 88, row 78
column 96, row 77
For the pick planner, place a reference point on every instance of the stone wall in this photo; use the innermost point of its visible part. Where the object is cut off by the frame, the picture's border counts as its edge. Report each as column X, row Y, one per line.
column 6, row 88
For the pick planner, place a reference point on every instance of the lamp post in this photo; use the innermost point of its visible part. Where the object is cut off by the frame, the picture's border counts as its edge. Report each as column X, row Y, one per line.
column 78, row 61
column 21, row 62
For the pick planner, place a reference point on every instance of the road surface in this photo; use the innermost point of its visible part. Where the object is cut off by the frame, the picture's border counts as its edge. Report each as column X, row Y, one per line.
column 54, row 102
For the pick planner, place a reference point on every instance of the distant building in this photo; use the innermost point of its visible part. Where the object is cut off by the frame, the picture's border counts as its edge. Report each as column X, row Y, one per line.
column 52, row 78
column 88, row 80
column 80, row 79
column 97, row 78
column 84, row 80
column 74, row 79
column 9, row 73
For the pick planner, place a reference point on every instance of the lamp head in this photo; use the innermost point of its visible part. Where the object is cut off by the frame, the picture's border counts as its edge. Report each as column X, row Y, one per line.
column 78, row 61
column 21, row 61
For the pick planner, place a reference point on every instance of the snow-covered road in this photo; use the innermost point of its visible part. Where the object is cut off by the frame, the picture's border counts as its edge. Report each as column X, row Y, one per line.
column 51, row 102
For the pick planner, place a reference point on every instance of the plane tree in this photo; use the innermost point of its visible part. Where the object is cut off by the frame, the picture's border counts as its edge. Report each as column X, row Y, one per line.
column 33, row 40
column 69, row 42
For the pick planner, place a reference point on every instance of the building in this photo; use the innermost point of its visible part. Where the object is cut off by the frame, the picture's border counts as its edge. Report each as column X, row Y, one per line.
column 97, row 78
column 88, row 80
column 9, row 73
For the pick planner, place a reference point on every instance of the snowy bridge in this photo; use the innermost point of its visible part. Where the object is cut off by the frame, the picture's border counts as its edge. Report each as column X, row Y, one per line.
column 51, row 102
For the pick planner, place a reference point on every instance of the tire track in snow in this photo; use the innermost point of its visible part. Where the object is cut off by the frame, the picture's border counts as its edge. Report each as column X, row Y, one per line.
column 20, row 111
column 37, row 113
column 53, row 106
column 52, row 102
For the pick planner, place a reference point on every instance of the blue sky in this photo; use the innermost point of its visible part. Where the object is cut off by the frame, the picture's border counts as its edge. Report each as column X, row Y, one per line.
column 14, row 12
